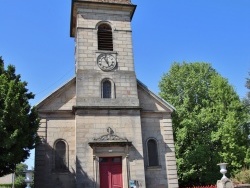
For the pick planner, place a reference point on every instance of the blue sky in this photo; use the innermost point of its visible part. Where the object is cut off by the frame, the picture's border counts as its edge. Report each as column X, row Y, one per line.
column 34, row 36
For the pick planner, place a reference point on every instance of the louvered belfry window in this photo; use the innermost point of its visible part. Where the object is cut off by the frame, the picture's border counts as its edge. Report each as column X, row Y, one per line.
column 105, row 37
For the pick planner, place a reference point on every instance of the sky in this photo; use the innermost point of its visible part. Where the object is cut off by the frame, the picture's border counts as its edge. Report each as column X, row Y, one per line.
column 34, row 36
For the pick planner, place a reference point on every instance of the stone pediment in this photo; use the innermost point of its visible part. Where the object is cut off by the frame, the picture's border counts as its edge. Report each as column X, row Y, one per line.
column 64, row 98
column 109, row 139
column 150, row 102
column 61, row 99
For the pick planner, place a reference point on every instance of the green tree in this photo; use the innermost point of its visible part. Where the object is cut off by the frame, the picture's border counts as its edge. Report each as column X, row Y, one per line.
column 208, row 122
column 18, row 120
column 246, row 102
column 248, row 86
column 20, row 175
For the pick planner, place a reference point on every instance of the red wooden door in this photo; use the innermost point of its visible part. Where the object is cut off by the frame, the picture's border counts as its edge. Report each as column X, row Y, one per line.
column 110, row 172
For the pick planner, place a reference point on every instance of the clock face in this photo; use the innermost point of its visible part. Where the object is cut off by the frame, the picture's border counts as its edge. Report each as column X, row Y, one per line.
column 106, row 62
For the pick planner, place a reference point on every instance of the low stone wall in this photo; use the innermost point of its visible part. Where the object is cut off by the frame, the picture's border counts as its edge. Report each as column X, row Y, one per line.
column 242, row 186
column 214, row 186
column 6, row 179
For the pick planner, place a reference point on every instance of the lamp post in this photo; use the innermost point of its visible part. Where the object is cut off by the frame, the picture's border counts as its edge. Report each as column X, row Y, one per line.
column 28, row 177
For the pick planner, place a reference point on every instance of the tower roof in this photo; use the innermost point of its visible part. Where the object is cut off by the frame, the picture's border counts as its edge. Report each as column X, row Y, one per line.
column 109, row 1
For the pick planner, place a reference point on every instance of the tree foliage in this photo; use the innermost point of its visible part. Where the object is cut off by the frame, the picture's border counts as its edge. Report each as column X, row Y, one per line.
column 18, row 120
column 208, row 122
column 246, row 100
column 20, row 175
column 248, row 86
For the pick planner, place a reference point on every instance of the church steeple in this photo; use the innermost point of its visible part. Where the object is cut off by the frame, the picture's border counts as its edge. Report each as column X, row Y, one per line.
column 103, row 52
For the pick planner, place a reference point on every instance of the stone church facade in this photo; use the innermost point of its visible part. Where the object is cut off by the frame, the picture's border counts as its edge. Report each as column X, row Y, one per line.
column 104, row 128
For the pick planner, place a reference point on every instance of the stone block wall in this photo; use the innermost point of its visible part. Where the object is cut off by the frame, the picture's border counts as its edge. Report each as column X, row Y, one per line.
column 93, row 124
column 89, row 75
column 55, row 127
column 159, row 127
column 86, row 38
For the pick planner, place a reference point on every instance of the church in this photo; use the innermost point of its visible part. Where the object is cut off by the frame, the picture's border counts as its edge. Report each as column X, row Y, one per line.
column 104, row 128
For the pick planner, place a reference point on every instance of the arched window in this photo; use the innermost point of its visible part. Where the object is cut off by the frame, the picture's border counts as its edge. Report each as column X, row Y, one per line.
column 60, row 156
column 105, row 37
column 106, row 89
column 152, row 152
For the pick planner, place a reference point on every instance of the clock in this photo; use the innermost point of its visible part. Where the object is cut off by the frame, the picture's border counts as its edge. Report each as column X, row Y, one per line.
column 106, row 62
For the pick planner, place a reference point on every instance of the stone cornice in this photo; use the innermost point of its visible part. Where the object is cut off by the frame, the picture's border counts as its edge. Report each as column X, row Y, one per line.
column 74, row 108
column 110, row 1
column 118, row 5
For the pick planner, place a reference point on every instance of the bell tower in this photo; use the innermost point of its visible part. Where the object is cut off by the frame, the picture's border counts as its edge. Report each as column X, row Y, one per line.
column 106, row 95
column 104, row 65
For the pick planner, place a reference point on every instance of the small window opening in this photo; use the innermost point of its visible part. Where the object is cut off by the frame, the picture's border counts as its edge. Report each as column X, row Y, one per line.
column 60, row 156
column 106, row 89
column 105, row 37
column 152, row 153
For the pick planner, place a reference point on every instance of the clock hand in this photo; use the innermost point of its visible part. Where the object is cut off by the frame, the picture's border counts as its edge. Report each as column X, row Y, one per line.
column 105, row 58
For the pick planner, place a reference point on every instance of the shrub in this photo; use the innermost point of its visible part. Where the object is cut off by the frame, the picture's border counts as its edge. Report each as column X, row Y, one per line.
column 242, row 177
column 10, row 186
column 5, row 185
